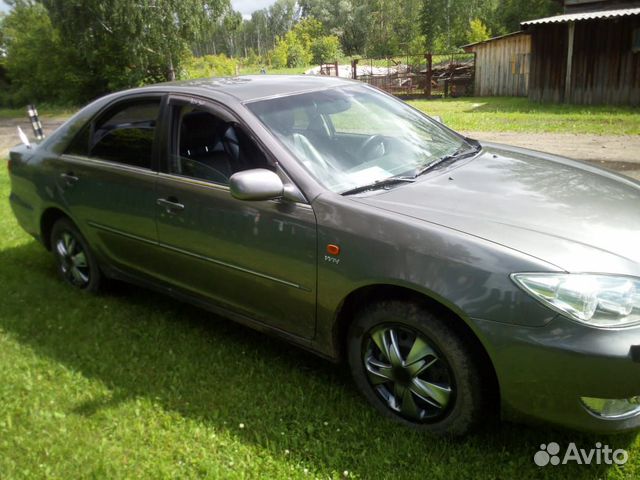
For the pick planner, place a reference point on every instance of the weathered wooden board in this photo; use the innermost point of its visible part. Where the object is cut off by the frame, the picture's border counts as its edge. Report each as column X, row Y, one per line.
column 502, row 66
column 605, row 70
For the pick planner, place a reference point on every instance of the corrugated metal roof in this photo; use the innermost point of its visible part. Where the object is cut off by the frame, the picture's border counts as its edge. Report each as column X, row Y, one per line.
column 576, row 17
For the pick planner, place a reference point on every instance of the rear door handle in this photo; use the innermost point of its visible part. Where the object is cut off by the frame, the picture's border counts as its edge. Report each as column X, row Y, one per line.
column 171, row 205
column 69, row 178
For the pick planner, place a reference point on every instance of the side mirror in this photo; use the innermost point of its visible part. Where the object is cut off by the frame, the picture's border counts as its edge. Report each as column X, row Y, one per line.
column 256, row 184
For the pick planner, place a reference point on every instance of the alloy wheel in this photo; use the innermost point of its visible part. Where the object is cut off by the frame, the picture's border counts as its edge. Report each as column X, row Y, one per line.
column 73, row 260
column 408, row 373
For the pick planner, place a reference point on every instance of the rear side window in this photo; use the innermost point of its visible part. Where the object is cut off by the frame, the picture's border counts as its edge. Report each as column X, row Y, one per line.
column 80, row 144
column 126, row 134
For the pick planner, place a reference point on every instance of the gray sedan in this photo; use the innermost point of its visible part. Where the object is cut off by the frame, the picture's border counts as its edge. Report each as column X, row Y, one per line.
column 456, row 279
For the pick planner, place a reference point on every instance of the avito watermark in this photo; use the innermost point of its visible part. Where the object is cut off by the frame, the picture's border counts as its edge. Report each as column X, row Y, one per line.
column 550, row 454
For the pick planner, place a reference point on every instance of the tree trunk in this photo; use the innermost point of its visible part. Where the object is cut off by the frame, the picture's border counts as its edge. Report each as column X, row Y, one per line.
column 171, row 73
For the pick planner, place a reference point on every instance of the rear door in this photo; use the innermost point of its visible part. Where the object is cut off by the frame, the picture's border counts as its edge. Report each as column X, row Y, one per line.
column 107, row 181
column 255, row 258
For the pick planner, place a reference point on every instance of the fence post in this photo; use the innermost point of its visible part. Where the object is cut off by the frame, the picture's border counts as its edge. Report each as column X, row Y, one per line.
column 335, row 64
column 427, row 89
column 354, row 69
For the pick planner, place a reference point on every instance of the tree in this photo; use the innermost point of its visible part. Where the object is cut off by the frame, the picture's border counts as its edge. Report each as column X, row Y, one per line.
column 39, row 65
column 478, row 31
column 126, row 43
column 294, row 49
column 445, row 23
column 326, row 49
column 512, row 12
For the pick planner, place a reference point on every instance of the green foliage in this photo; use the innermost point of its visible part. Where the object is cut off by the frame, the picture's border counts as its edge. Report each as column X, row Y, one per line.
column 290, row 51
column 308, row 30
column 253, row 58
column 326, row 49
column 445, row 23
column 297, row 55
column 69, row 51
column 279, row 56
column 512, row 12
column 124, row 43
column 478, row 31
column 39, row 65
column 208, row 66
column 295, row 49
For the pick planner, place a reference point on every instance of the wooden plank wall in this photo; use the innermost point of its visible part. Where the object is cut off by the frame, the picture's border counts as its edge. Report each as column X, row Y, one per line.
column 605, row 70
column 502, row 66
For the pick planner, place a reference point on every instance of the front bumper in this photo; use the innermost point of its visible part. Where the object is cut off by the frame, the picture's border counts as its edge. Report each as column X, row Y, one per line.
column 544, row 371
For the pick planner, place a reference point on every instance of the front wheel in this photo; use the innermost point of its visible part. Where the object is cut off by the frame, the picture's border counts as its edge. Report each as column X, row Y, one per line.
column 413, row 367
column 75, row 261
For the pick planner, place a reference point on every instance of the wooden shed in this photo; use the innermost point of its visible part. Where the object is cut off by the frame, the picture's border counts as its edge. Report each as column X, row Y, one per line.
column 502, row 65
column 590, row 57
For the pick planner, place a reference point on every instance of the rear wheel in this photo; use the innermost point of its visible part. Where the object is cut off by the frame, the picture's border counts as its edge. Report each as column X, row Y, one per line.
column 75, row 261
column 413, row 367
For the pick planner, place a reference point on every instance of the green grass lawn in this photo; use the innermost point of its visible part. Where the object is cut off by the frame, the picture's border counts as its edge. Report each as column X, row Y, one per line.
column 507, row 114
column 130, row 384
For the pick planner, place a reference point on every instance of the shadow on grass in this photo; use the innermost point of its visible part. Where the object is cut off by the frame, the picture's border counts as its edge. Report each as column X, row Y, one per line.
column 141, row 344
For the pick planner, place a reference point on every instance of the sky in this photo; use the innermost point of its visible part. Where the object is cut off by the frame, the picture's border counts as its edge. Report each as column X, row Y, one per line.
column 246, row 7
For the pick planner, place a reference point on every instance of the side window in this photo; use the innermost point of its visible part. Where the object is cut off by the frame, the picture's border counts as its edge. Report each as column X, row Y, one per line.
column 208, row 148
column 126, row 135
column 80, row 143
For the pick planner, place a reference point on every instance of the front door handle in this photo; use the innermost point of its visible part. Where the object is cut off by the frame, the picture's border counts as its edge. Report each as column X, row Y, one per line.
column 171, row 204
column 69, row 178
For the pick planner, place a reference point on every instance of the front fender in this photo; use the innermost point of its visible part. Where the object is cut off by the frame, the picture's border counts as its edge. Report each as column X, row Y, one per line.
column 466, row 274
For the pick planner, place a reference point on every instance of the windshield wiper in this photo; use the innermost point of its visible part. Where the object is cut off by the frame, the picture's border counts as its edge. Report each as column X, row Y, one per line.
column 379, row 184
column 471, row 148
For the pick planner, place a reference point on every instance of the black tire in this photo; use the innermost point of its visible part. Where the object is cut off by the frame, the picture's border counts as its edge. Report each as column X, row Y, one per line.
column 434, row 384
column 70, row 248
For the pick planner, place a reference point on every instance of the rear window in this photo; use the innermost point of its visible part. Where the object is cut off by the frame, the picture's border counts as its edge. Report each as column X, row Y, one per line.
column 125, row 135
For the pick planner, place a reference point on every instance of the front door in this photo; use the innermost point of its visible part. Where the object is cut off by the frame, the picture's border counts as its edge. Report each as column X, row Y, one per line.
column 257, row 259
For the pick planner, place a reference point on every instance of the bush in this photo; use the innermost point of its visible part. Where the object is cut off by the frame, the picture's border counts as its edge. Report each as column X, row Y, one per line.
column 297, row 56
column 290, row 52
column 38, row 66
column 208, row 66
column 326, row 49
column 253, row 58
column 279, row 55
column 478, row 31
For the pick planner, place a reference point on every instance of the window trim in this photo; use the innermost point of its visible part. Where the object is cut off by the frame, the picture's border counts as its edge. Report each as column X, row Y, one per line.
column 171, row 128
column 175, row 103
column 108, row 109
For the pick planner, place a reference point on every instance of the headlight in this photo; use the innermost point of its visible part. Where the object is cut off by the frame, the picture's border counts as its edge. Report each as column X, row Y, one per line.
column 598, row 300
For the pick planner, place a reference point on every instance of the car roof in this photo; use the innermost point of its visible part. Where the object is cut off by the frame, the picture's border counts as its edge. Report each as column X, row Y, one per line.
column 255, row 87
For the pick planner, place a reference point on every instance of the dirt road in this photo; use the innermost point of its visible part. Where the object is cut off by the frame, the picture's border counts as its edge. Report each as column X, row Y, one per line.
column 617, row 152
column 9, row 133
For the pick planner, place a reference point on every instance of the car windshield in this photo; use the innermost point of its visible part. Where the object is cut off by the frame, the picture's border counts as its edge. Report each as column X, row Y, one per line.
column 355, row 136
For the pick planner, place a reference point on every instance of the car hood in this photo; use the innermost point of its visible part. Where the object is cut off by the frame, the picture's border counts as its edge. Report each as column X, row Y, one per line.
column 567, row 213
